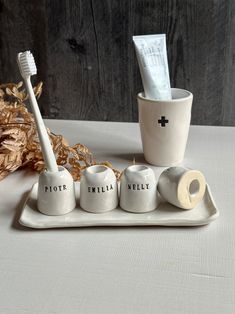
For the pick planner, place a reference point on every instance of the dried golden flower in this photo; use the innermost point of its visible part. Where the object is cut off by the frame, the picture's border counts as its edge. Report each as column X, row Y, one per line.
column 19, row 144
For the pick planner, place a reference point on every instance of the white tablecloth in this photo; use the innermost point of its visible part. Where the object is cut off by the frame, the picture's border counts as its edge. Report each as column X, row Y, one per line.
column 123, row 270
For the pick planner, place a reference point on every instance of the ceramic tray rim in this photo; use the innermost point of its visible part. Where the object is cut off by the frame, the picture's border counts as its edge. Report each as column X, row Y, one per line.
column 124, row 222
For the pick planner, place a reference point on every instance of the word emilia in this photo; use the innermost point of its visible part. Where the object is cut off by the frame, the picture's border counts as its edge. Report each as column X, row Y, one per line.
column 100, row 189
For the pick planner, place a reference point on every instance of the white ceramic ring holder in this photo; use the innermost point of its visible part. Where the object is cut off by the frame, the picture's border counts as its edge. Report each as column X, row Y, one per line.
column 56, row 192
column 98, row 189
column 138, row 189
column 164, row 127
column 182, row 187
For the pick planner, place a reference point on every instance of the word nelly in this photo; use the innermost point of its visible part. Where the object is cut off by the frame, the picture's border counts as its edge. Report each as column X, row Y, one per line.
column 137, row 186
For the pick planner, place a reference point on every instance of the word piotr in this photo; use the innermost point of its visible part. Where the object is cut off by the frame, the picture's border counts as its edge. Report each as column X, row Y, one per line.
column 55, row 188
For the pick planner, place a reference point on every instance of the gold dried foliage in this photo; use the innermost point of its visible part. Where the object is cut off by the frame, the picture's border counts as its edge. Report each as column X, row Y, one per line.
column 19, row 144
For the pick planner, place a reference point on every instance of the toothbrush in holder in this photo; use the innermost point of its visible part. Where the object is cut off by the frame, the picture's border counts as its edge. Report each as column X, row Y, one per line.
column 56, row 191
column 28, row 68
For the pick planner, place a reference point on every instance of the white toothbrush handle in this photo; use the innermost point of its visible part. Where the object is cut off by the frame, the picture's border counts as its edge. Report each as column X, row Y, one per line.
column 47, row 151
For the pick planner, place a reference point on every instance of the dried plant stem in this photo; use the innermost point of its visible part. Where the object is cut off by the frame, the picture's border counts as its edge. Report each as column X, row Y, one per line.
column 19, row 144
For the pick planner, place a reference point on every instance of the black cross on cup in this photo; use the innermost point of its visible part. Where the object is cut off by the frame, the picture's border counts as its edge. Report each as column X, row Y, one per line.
column 163, row 121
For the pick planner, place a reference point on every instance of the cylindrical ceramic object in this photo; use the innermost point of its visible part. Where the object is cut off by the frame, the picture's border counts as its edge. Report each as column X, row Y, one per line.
column 182, row 187
column 56, row 193
column 98, row 189
column 138, row 189
column 164, row 127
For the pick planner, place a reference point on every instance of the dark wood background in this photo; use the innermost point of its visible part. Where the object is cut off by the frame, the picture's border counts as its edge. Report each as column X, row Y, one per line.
column 86, row 59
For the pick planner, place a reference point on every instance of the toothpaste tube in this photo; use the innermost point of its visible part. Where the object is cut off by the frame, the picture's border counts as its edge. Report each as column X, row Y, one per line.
column 152, row 58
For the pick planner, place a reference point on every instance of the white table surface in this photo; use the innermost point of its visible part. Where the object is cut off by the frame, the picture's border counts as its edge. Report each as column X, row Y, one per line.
column 123, row 270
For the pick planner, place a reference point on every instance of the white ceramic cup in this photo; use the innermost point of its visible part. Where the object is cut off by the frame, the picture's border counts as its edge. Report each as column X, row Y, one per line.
column 164, row 127
column 98, row 189
column 56, row 193
column 138, row 189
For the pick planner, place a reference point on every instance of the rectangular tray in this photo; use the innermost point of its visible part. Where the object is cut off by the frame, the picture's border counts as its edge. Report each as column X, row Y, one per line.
column 165, row 215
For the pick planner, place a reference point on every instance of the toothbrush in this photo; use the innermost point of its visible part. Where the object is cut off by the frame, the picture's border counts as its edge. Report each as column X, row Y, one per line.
column 28, row 68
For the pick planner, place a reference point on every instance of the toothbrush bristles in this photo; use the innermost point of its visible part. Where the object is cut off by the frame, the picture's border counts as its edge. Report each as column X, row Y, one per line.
column 27, row 63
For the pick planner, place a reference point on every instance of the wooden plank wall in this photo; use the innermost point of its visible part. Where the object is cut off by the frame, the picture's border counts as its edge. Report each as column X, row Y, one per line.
column 85, row 56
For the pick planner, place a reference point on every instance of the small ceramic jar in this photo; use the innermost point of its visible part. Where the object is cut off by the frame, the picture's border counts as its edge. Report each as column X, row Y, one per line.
column 138, row 189
column 182, row 187
column 98, row 189
column 56, row 193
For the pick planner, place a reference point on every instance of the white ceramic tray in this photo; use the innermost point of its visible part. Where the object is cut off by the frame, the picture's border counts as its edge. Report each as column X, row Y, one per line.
column 165, row 215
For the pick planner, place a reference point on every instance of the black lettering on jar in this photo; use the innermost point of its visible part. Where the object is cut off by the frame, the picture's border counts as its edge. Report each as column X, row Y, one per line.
column 138, row 186
column 100, row 189
column 55, row 188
